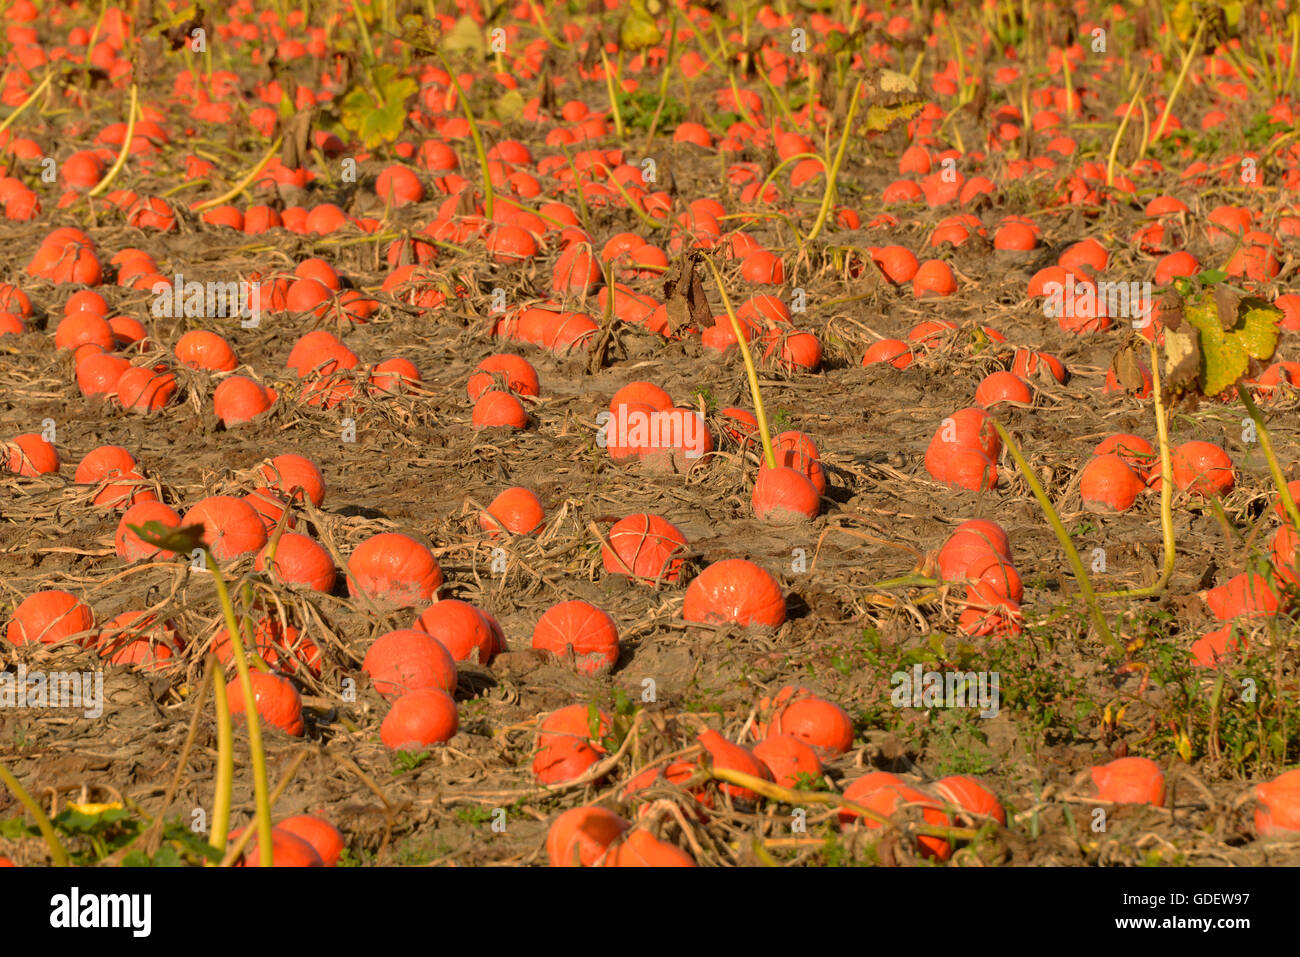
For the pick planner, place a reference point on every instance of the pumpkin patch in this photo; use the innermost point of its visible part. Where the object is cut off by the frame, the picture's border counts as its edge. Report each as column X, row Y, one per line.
column 649, row 433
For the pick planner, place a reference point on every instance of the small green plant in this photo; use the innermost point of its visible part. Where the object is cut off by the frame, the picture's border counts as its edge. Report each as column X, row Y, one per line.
column 93, row 833
column 638, row 109
column 474, row 815
column 803, row 781
column 404, row 761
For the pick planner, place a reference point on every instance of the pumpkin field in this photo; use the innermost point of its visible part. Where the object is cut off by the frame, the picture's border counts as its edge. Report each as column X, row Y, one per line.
column 649, row 433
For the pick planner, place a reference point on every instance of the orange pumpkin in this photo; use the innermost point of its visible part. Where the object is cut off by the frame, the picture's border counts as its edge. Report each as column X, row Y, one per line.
column 517, row 510
column 580, row 629
column 231, row 527
column 1278, row 814
column 50, row 616
column 299, row 560
column 735, row 590
column 419, row 719
column 640, row 848
column 394, row 568
column 461, row 629
column 130, row 546
column 791, row 762
column 969, row 795
column 645, row 546
column 319, row 833
column 275, row 698
column 579, row 836
column 1130, row 781
column 406, row 660
column 726, row 755
column 822, row 724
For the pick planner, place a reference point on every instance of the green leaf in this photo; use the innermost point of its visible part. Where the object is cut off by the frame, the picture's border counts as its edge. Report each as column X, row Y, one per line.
column 915, row 656
column 181, row 540
column 16, row 828
column 1211, row 276
column 1226, row 354
column 465, row 37
column 74, row 820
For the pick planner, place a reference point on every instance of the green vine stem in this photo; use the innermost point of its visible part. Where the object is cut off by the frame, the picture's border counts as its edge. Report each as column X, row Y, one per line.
column 828, row 197
column 742, row 340
column 1076, row 563
column 243, row 183
column 116, row 168
column 225, row 760
column 1188, row 56
column 260, row 791
column 613, row 95
column 57, row 853
column 1166, row 494
column 489, row 194
column 1266, row 443
column 40, row 88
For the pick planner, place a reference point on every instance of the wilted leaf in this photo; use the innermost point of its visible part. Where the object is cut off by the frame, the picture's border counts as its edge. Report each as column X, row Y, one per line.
column 891, row 81
column 297, row 139
column 1226, row 301
column 1182, row 372
column 1169, row 311
column 1183, row 18
column 1128, row 370
column 685, row 301
column 638, row 29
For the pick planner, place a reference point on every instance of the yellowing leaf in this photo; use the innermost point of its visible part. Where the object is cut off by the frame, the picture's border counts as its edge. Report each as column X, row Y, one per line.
column 881, row 118
column 508, row 106
column 1183, row 18
column 638, row 31
column 464, row 37
column 90, row 810
column 1226, row 353
column 286, row 108
column 378, row 121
